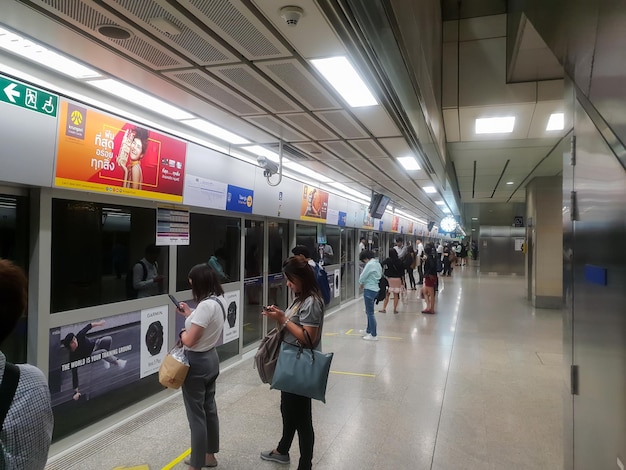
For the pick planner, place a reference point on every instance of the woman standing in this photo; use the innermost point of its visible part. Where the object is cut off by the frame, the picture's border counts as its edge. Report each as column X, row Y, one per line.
column 306, row 313
column 394, row 272
column 430, row 279
column 203, row 328
column 372, row 272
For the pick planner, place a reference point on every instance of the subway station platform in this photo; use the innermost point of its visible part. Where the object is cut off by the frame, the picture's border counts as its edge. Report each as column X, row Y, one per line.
column 477, row 386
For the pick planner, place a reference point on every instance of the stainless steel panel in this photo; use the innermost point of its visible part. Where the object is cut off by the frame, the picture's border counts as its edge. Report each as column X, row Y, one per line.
column 568, row 291
column 598, row 312
column 497, row 250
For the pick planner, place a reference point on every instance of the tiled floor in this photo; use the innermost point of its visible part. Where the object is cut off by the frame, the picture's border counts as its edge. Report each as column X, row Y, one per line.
column 476, row 386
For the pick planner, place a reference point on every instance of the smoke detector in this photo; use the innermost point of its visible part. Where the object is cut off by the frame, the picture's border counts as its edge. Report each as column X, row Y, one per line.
column 291, row 14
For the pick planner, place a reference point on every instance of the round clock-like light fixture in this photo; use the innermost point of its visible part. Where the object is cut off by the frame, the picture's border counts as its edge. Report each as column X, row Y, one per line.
column 448, row 224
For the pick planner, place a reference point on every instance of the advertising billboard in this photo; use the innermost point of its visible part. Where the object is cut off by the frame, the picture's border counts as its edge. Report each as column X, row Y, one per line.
column 99, row 152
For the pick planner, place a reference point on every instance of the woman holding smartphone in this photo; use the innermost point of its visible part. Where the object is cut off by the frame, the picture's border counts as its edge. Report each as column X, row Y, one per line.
column 203, row 329
column 305, row 314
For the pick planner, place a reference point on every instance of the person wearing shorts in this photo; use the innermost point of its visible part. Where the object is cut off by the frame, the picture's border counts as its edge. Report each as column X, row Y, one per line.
column 430, row 280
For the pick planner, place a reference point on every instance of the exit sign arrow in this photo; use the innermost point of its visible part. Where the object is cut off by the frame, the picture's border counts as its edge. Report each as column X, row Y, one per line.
column 11, row 92
column 32, row 98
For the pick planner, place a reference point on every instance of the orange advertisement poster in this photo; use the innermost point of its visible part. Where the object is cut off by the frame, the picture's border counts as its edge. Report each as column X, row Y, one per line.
column 410, row 230
column 314, row 204
column 395, row 222
column 98, row 152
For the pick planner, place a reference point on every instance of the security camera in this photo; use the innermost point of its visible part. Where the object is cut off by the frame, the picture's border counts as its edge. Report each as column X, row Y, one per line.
column 291, row 14
column 270, row 167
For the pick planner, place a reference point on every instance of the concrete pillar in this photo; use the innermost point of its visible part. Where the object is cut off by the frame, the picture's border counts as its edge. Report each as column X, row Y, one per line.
column 544, row 240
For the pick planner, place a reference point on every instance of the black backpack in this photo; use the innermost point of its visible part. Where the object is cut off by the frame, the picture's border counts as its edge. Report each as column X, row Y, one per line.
column 131, row 292
column 382, row 289
column 407, row 260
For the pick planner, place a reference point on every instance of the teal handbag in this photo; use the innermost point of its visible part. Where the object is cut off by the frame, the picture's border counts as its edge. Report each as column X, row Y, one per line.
column 302, row 371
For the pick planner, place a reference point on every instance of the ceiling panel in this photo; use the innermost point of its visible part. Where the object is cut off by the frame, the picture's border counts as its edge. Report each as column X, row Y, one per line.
column 309, row 126
column 213, row 90
column 249, row 82
column 343, row 124
column 277, row 128
column 236, row 24
column 300, row 83
column 190, row 40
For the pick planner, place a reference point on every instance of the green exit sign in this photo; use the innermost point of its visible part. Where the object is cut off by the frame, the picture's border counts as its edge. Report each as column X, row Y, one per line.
column 28, row 97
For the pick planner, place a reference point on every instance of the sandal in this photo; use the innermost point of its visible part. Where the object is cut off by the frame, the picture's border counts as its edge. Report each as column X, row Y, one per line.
column 382, row 311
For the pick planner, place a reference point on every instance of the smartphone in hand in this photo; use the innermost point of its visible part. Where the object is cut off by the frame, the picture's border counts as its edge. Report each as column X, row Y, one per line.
column 175, row 302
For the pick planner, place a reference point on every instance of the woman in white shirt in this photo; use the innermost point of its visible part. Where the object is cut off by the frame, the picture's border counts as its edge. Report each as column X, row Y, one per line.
column 203, row 329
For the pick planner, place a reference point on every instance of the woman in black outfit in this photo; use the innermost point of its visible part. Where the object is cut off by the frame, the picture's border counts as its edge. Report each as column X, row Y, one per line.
column 305, row 313
column 394, row 272
column 430, row 279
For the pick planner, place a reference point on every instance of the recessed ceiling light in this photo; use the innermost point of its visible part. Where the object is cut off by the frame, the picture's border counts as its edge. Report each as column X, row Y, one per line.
column 429, row 189
column 556, row 122
column 345, row 80
column 409, row 163
column 474, row 218
column 440, row 203
column 39, row 54
column 445, row 210
column 509, row 182
column 497, row 125
column 216, row 131
column 473, row 230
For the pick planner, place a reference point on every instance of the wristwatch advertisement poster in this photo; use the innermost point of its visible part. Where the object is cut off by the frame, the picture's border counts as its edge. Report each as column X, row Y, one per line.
column 153, row 339
column 233, row 314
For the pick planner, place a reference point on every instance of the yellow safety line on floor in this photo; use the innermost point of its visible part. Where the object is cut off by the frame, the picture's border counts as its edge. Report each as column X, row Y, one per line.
column 349, row 333
column 177, row 460
column 352, row 373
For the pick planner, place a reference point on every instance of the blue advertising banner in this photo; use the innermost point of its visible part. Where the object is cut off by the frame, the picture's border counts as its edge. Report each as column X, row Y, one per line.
column 239, row 199
column 343, row 217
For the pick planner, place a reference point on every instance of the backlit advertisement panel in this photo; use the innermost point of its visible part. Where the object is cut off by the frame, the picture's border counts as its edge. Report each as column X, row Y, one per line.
column 99, row 152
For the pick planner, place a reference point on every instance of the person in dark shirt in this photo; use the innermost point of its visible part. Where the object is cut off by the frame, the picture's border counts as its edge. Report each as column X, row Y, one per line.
column 430, row 279
column 81, row 347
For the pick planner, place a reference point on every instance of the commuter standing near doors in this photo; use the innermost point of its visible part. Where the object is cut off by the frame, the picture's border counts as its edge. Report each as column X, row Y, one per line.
column 372, row 272
column 203, row 329
column 306, row 313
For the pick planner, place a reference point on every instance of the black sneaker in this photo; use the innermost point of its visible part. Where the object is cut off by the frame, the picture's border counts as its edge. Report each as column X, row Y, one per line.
column 275, row 457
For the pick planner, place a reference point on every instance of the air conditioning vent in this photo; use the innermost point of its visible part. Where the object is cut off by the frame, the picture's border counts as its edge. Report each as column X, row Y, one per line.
column 290, row 152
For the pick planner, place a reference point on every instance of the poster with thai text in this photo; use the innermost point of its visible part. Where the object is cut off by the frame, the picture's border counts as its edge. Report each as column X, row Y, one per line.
column 103, row 153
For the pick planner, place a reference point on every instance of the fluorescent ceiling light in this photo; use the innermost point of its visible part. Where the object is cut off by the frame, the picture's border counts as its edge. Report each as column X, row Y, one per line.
column 556, row 122
column 345, row 79
column 33, row 51
column 498, row 125
column 348, row 190
column 307, row 172
column 409, row 163
column 140, row 98
column 445, row 210
column 474, row 218
column 509, row 182
column 440, row 203
column 216, row 131
column 429, row 189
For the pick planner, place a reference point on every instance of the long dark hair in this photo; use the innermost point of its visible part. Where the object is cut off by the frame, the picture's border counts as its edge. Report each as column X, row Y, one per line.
column 204, row 282
column 298, row 270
